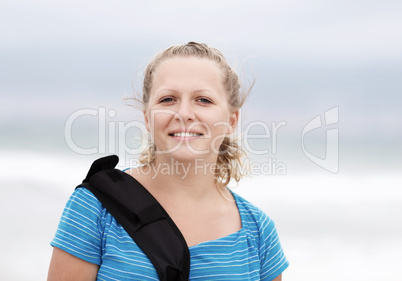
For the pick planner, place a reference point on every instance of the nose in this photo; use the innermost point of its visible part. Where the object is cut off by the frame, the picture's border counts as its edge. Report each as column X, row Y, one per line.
column 185, row 112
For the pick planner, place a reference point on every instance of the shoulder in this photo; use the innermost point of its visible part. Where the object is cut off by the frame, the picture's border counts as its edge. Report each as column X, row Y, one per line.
column 81, row 226
column 84, row 210
column 262, row 233
column 251, row 213
column 85, row 200
column 258, row 226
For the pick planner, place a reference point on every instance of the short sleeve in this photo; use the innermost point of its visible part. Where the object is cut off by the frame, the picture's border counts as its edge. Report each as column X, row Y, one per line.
column 79, row 232
column 272, row 257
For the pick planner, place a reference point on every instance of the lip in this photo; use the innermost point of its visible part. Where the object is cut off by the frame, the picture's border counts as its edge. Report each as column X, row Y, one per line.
column 198, row 134
column 185, row 131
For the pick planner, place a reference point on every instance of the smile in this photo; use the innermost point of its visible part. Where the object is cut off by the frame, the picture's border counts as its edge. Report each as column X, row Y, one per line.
column 183, row 134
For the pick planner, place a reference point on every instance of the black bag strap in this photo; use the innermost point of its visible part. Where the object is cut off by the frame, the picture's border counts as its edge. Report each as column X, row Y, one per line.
column 142, row 217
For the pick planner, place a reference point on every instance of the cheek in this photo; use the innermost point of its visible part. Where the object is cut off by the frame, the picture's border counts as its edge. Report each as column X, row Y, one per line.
column 158, row 120
column 220, row 125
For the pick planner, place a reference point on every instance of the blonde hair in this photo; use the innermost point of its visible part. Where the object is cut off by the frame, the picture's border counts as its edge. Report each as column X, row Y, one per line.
column 229, row 162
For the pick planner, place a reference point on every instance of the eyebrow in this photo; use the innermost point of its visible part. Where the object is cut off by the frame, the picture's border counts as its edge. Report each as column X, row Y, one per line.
column 174, row 91
column 165, row 90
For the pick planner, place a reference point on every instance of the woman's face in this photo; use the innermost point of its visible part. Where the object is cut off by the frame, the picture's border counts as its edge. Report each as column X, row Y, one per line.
column 188, row 113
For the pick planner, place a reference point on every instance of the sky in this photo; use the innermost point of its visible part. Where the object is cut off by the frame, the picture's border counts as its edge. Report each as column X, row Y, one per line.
column 334, row 62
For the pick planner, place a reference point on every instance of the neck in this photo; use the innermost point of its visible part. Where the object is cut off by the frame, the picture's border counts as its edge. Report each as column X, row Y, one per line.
column 183, row 179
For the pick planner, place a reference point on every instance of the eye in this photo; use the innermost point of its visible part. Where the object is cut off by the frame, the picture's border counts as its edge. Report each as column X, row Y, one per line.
column 166, row 100
column 204, row 100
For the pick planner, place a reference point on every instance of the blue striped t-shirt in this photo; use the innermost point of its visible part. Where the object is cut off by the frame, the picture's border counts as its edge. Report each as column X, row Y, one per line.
column 88, row 231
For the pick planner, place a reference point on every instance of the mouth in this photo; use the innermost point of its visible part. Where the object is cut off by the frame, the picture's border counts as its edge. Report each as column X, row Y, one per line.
column 185, row 134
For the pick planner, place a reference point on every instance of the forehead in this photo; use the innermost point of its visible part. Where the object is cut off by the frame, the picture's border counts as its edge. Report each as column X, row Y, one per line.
column 189, row 69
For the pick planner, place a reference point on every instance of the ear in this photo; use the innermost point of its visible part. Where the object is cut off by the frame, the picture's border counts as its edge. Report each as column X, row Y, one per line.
column 146, row 120
column 233, row 120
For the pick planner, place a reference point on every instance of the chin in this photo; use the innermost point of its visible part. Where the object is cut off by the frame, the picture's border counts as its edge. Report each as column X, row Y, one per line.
column 183, row 154
column 187, row 156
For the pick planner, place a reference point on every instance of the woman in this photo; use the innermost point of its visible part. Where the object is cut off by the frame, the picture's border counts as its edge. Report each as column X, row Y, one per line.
column 191, row 100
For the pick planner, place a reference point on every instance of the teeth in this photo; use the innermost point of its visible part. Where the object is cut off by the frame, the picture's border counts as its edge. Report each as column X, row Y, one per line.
column 185, row 134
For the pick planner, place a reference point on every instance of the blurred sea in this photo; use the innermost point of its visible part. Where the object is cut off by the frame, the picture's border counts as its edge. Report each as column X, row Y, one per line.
column 332, row 226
